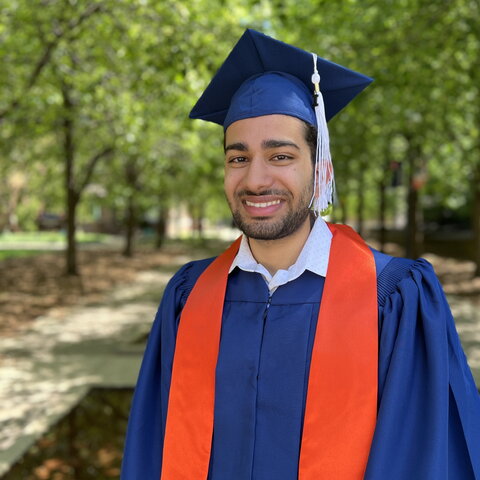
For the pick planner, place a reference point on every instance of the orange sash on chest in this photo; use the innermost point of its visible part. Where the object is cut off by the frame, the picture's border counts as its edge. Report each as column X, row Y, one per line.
column 341, row 406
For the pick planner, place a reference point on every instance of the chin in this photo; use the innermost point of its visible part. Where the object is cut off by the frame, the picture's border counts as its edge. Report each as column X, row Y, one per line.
column 264, row 228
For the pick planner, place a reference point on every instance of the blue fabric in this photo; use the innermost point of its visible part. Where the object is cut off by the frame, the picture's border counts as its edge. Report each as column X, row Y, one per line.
column 271, row 93
column 256, row 54
column 428, row 425
column 381, row 260
column 262, row 375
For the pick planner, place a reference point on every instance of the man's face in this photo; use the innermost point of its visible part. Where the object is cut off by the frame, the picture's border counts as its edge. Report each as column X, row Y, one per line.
column 268, row 175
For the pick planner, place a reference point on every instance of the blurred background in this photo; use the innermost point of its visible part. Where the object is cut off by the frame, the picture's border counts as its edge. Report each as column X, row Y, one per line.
column 106, row 186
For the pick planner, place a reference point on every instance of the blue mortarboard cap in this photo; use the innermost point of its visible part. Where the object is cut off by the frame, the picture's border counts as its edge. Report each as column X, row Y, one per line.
column 264, row 76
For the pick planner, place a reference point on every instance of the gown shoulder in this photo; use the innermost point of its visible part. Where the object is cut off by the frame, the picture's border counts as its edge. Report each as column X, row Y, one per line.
column 182, row 283
column 428, row 424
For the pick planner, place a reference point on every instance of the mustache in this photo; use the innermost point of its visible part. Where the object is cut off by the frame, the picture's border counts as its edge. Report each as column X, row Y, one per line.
column 249, row 193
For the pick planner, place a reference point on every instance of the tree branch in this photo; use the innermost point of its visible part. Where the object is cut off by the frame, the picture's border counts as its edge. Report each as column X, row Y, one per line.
column 91, row 167
column 45, row 57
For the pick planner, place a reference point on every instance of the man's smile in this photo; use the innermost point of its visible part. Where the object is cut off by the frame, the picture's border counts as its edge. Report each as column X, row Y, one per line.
column 261, row 204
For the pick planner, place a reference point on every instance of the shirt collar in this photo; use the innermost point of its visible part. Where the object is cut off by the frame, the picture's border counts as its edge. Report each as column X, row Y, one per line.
column 313, row 257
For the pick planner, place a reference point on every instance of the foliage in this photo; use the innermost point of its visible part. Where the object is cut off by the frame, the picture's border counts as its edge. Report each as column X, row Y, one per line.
column 133, row 69
column 422, row 56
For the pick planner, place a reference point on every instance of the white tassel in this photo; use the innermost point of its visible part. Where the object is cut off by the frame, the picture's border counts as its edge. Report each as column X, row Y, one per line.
column 323, row 186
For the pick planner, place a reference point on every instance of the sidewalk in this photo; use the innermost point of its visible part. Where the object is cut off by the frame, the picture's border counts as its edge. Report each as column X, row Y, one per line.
column 467, row 319
column 48, row 368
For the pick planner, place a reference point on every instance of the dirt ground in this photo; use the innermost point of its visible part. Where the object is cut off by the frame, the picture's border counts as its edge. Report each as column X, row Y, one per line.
column 31, row 286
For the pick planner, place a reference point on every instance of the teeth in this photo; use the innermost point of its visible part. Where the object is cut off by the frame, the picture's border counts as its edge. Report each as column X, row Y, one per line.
column 262, row 205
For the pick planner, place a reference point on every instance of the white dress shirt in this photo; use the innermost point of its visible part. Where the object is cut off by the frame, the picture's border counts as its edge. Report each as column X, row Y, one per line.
column 313, row 257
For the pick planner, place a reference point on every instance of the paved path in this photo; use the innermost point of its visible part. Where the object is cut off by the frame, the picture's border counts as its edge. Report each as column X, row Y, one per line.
column 47, row 369
column 467, row 319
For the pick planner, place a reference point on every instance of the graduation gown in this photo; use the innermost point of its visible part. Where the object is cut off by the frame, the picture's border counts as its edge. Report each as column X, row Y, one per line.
column 428, row 424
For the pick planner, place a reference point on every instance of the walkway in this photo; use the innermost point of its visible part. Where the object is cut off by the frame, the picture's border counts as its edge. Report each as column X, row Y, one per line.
column 47, row 369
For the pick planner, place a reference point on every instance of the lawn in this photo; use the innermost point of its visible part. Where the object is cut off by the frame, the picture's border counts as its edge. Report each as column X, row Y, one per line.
column 22, row 244
column 4, row 254
column 48, row 237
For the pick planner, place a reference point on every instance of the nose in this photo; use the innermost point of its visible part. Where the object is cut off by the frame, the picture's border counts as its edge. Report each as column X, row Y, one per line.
column 258, row 176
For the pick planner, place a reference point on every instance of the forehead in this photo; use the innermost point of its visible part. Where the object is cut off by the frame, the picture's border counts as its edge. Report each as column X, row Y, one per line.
column 258, row 129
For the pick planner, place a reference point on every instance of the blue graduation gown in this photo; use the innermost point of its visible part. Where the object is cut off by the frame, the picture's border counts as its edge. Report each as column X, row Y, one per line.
column 428, row 425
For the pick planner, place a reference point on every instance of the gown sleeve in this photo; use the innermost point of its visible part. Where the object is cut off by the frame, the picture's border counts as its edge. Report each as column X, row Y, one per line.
column 428, row 425
column 146, row 426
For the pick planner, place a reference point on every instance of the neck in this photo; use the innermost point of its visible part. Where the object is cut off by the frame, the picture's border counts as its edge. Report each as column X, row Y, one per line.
column 281, row 253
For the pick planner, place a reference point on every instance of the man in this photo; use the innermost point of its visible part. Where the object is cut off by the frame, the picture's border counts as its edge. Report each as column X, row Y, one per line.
column 299, row 352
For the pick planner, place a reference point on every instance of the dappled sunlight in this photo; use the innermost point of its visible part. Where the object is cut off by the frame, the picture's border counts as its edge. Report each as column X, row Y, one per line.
column 466, row 312
column 94, row 336
column 30, row 287
column 50, row 365
column 457, row 276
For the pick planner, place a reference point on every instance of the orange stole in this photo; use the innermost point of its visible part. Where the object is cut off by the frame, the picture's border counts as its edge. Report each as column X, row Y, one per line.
column 341, row 406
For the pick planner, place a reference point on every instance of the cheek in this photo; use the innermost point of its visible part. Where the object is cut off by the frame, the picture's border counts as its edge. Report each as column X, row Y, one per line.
column 229, row 182
column 298, row 177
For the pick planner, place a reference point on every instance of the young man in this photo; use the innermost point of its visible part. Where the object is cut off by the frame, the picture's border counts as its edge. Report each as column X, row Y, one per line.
column 299, row 352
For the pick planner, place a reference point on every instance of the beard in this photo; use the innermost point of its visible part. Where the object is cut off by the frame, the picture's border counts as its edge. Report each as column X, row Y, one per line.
column 265, row 228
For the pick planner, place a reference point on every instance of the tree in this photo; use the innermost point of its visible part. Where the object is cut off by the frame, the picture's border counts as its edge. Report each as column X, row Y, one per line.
column 421, row 55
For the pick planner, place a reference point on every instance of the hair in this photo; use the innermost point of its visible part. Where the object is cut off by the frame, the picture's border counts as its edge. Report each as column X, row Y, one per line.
column 311, row 139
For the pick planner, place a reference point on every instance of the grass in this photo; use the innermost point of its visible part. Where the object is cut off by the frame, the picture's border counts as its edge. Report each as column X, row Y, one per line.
column 49, row 237
column 33, row 243
column 4, row 254
column 24, row 244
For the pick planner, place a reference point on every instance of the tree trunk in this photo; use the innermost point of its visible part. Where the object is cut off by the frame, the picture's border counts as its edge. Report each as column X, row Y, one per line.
column 412, row 227
column 72, row 195
column 382, row 190
column 73, row 187
column 196, row 227
column 361, row 199
column 343, row 211
column 72, row 268
column 131, row 177
column 414, row 234
column 199, row 226
column 161, row 227
column 130, row 226
column 382, row 193
column 196, row 214
column 476, row 217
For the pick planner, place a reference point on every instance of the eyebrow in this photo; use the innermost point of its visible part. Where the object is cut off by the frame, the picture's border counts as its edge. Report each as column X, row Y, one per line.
column 278, row 144
column 242, row 147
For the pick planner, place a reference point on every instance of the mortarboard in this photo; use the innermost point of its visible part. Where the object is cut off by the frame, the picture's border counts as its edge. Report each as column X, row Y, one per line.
column 264, row 76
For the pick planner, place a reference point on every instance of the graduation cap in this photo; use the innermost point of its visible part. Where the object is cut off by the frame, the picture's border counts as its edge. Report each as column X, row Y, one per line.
column 264, row 76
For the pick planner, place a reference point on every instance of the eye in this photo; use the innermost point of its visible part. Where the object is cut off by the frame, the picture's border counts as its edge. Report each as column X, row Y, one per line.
column 281, row 157
column 237, row 160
